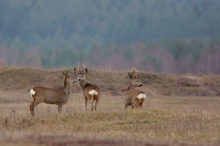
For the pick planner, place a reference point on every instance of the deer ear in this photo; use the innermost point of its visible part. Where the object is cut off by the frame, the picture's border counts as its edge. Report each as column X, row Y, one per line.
column 65, row 72
column 75, row 70
column 130, row 75
column 85, row 70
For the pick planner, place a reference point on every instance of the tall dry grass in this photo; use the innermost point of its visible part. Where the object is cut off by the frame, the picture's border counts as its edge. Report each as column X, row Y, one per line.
column 164, row 120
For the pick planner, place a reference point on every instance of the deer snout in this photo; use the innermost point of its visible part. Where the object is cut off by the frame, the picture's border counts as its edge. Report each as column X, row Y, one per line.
column 140, row 85
column 74, row 81
column 79, row 79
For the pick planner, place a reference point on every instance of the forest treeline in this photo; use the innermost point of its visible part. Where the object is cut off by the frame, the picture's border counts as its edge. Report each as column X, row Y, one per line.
column 171, row 36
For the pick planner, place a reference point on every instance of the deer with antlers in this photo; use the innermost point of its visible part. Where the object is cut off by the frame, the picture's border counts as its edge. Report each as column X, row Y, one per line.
column 134, row 97
column 52, row 96
column 90, row 92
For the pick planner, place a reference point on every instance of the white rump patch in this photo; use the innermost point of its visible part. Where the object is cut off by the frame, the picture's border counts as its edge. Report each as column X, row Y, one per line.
column 32, row 92
column 141, row 95
column 93, row 92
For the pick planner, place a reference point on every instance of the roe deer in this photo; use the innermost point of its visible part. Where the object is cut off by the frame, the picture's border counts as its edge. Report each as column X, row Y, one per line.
column 134, row 97
column 52, row 96
column 90, row 92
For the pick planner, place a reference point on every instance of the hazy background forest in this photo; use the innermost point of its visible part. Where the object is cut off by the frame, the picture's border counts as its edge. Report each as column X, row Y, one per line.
column 169, row 36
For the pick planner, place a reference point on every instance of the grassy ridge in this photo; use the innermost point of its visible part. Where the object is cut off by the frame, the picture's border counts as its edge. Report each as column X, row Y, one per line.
column 113, row 82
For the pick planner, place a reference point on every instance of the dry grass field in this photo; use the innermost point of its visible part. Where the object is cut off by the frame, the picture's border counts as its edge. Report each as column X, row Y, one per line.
column 170, row 116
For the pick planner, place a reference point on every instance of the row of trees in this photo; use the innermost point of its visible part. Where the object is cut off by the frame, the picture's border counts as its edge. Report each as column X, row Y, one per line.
column 179, row 56
column 83, row 23
column 174, row 36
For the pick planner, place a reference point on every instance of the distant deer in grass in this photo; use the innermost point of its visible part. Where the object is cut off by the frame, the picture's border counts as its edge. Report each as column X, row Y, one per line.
column 134, row 97
column 52, row 96
column 90, row 92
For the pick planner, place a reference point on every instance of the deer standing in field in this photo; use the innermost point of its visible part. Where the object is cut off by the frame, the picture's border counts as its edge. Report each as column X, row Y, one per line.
column 52, row 96
column 90, row 92
column 134, row 97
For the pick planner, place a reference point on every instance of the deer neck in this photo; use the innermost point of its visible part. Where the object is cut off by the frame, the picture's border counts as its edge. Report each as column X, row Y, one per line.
column 83, row 84
column 67, row 88
column 130, row 87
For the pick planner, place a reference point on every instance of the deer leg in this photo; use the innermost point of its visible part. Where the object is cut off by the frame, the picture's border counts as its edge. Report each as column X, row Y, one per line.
column 32, row 106
column 59, row 108
column 91, row 99
column 86, row 103
column 96, row 102
column 91, row 106
column 127, row 102
column 141, row 103
column 134, row 105
column 96, row 99
column 126, row 105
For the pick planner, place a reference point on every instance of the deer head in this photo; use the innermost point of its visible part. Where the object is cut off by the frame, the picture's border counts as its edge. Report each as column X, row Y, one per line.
column 81, row 72
column 134, row 80
column 67, row 78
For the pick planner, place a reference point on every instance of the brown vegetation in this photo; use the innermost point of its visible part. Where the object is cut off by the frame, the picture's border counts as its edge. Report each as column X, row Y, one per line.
column 163, row 120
